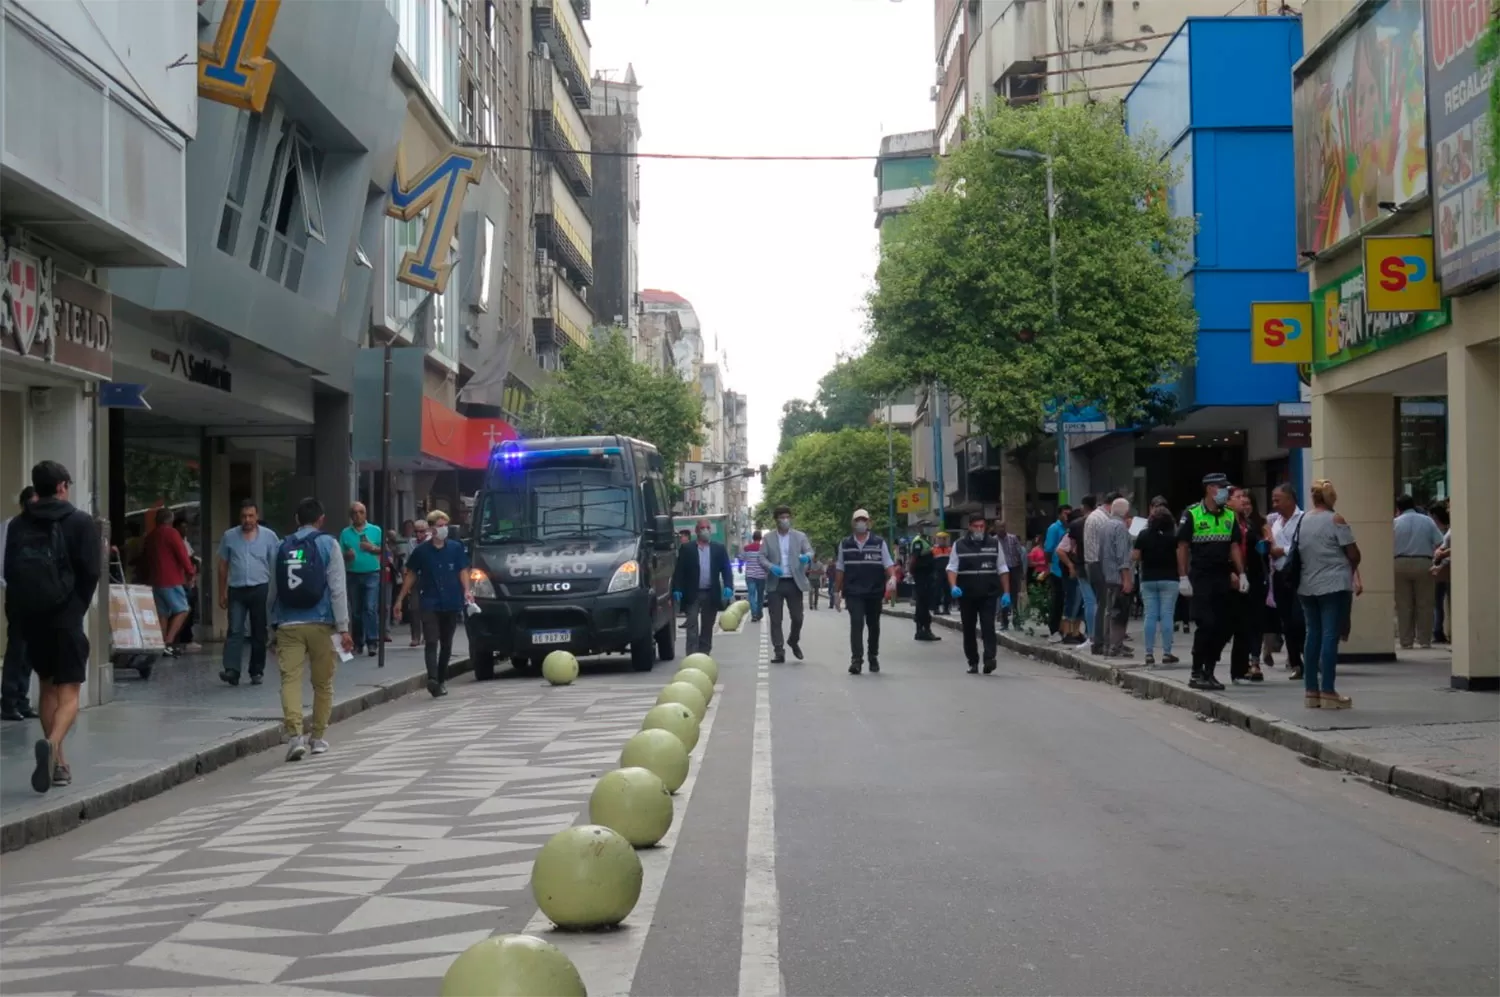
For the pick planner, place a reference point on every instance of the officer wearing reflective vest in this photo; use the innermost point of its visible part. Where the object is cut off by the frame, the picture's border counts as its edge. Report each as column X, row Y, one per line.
column 864, row 573
column 977, row 575
column 923, row 568
column 1210, row 565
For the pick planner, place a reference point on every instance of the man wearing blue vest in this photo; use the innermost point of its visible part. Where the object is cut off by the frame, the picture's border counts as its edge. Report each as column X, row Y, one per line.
column 1210, row 566
column 978, row 576
column 865, row 573
column 310, row 612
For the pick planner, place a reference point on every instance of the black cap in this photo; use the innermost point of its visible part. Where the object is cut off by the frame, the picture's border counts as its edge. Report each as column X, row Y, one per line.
column 1215, row 479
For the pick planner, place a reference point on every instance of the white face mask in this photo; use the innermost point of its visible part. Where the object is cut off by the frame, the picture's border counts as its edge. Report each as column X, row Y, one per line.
column 977, row 534
column 440, row 532
column 861, row 527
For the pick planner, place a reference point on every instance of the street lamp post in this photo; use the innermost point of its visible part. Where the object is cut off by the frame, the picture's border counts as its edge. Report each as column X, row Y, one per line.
column 1046, row 159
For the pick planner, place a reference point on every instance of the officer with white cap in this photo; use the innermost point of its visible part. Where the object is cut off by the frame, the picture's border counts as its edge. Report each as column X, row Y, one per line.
column 864, row 573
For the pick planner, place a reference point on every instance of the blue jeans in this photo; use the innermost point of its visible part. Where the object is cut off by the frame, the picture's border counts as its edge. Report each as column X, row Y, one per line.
column 247, row 618
column 364, row 608
column 1090, row 605
column 1160, row 599
column 1324, row 616
column 756, row 593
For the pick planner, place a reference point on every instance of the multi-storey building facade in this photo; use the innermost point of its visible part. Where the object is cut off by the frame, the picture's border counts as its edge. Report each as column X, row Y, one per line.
column 561, row 178
column 94, row 173
column 615, row 128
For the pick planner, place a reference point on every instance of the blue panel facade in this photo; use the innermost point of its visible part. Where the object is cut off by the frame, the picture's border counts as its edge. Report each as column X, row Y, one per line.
column 1219, row 98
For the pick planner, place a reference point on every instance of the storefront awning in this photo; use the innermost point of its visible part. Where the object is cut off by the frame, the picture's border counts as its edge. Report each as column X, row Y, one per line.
column 458, row 439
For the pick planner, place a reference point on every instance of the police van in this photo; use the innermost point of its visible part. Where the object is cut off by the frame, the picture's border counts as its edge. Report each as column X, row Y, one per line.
column 573, row 549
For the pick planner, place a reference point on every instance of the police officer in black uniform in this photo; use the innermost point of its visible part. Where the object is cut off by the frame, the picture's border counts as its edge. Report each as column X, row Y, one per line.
column 864, row 574
column 977, row 576
column 923, row 569
column 1210, row 566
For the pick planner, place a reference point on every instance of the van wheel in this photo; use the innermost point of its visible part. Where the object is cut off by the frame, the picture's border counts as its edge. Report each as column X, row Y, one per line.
column 484, row 665
column 666, row 643
column 643, row 654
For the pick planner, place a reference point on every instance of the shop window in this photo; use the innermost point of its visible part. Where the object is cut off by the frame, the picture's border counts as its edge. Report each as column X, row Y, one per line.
column 292, row 212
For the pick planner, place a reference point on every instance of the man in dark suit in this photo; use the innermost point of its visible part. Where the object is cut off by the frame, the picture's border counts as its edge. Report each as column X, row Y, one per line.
column 702, row 584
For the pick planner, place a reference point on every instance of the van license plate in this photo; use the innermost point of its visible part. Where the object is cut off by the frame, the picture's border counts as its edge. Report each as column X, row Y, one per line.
column 551, row 636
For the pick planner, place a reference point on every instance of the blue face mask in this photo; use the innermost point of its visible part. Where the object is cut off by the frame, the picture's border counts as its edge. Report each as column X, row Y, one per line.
column 1221, row 496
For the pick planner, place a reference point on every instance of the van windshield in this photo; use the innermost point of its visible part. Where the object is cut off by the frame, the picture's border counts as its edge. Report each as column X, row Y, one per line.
column 558, row 503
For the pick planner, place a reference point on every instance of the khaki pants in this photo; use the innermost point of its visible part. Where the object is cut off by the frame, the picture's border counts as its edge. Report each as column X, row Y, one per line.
column 1416, row 593
column 310, row 643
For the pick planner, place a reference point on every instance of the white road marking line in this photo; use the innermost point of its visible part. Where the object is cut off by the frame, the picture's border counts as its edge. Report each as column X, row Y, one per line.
column 608, row 961
column 760, row 938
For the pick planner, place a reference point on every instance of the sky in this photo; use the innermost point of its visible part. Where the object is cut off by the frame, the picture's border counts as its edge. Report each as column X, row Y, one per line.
column 775, row 257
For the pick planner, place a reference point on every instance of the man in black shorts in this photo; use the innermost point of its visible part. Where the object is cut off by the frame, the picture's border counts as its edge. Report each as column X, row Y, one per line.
column 51, row 573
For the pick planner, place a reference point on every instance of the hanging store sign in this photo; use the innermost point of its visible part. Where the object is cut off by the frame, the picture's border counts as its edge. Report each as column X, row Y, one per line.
column 438, row 191
column 1465, row 212
column 1344, row 330
column 52, row 317
column 234, row 69
column 1281, row 332
column 911, row 500
column 1402, row 276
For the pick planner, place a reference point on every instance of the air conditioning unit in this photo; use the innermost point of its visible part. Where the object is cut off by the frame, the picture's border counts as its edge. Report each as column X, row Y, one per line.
column 932, row 95
column 544, row 52
column 542, row 258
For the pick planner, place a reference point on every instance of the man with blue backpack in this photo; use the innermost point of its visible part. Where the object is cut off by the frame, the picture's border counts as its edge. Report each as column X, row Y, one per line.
column 311, row 612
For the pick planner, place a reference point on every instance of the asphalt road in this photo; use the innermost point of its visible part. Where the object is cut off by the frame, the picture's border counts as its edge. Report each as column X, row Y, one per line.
column 932, row 832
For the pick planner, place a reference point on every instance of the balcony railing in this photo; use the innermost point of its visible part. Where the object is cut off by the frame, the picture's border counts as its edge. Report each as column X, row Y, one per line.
column 572, row 158
column 550, row 20
column 560, row 238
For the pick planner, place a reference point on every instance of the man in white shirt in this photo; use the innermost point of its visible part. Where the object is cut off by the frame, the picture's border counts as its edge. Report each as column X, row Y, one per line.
column 1285, row 522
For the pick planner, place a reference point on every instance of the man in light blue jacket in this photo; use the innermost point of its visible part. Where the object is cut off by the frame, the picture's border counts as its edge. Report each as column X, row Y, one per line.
column 785, row 553
column 311, row 607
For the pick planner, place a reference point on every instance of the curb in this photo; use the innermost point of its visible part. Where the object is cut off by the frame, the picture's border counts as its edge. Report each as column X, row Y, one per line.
column 1423, row 785
column 72, row 813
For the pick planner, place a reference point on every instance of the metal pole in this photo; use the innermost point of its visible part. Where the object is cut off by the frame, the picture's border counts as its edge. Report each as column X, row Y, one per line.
column 1062, row 436
column 385, row 501
column 890, row 460
column 937, row 452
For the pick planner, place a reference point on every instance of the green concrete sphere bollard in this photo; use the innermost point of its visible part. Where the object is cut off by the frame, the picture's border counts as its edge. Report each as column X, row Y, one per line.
column 697, row 680
column 512, row 966
column 660, row 751
column 560, row 668
column 634, row 803
column 686, row 694
column 586, row 877
column 704, row 664
column 676, row 719
column 729, row 621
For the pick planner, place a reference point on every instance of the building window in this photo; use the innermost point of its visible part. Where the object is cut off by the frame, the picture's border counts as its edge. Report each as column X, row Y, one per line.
column 292, row 212
column 247, row 134
column 485, row 262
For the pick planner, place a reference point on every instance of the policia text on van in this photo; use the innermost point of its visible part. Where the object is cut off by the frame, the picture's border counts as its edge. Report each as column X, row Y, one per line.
column 574, row 550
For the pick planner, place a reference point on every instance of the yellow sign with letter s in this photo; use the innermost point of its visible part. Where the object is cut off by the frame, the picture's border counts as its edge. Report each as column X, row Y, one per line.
column 1281, row 331
column 1400, row 275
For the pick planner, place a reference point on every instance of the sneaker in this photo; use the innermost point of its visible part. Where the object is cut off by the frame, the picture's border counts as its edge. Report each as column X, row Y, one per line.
column 257, row 679
column 229, row 677
column 1055, row 639
column 296, row 749
column 1170, row 659
column 41, row 776
column 973, row 669
column 318, row 746
column 62, row 775
column 1150, row 660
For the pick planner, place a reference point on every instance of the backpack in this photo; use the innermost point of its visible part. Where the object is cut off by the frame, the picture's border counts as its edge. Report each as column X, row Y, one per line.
column 44, row 581
column 301, row 574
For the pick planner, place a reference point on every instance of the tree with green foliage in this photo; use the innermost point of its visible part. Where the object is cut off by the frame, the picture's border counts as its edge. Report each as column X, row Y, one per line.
column 603, row 390
column 1487, row 52
column 964, row 294
column 824, row 477
column 844, row 401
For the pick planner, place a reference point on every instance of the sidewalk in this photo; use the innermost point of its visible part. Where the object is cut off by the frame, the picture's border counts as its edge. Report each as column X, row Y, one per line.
column 1408, row 733
column 181, row 723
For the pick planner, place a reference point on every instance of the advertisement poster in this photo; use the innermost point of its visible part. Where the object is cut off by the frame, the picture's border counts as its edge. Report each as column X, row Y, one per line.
column 1344, row 330
column 1465, row 216
column 1359, row 119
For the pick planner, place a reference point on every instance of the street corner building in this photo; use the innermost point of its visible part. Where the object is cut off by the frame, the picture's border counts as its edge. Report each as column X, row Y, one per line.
column 1405, row 385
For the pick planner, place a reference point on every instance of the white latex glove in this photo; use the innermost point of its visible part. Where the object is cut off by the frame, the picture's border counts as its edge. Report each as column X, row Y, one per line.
column 890, row 585
column 1244, row 583
column 1184, row 587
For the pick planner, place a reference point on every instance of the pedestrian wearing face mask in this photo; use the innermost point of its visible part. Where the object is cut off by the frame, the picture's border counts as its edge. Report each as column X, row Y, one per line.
column 978, row 576
column 865, row 574
column 439, row 570
column 703, row 584
column 1210, row 566
column 785, row 553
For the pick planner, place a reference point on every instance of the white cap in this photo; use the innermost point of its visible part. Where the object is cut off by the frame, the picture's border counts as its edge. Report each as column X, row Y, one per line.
column 859, row 514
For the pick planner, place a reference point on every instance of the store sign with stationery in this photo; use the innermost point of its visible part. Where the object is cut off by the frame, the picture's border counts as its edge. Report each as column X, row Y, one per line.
column 1344, row 329
column 1465, row 211
column 52, row 317
column 436, row 191
column 1281, row 332
column 233, row 69
column 1401, row 274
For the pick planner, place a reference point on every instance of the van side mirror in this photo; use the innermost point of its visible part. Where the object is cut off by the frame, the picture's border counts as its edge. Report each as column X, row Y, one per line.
column 662, row 535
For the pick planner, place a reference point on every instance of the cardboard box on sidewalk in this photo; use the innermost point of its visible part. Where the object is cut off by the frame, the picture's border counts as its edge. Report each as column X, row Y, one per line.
column 133, row 623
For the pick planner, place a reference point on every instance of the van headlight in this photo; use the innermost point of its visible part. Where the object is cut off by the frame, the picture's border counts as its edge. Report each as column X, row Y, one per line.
column 626, row 577
column 480, row 585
